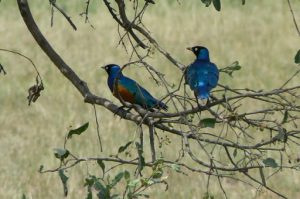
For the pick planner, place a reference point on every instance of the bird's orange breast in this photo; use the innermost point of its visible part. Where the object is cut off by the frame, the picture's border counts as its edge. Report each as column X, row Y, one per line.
column 124, row 94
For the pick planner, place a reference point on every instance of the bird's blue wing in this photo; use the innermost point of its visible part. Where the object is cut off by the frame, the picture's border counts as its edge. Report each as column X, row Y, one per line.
column 202, row 76
column 197, row 75
column 202, row 73
column 141, row 95
column 213, row 75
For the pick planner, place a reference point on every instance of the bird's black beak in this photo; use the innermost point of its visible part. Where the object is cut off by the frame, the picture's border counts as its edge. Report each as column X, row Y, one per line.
column 103, row 67
column 189, row 48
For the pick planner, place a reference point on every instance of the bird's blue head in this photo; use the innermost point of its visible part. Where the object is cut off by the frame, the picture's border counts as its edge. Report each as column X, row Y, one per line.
column 200, row 52
column 112, row 69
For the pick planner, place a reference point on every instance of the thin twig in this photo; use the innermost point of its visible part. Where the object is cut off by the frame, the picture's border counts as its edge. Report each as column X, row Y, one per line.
column 24, row 56
column 226, row 112
column 2, row 69
column 152, row 146
column 53, row 3
column 294, row 19
column 97, row 124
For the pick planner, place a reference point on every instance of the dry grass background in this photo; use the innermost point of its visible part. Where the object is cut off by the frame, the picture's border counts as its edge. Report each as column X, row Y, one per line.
column 260, row 35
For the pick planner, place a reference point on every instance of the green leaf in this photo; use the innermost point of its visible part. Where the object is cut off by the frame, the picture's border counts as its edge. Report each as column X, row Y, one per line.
column 133, row 183
column 100, row 187
column 234, row 152
column 282, row 136
column 270, row 162
column 235, row 66
column 78, row 131
column 123, row 148
column 41, row 168
column 117, row 179
column 190, row 117
column 104, row 194
column 147, row 181
column 157, row 173
column 115, row 196
column 208, row 122
column 102, row 165
column 90, row 195
column 262, row 176
column 61, row 153
column 23, row 195
column 297, row 57
column 64, row 180
column 127, row 176
column 217, row 4
column 176, row 167
column 206, row 2
column 243, row 2
column 285, row 117
column 89, row 181
column 141, row 157
column 158, row 162
column 207, row 195
column 138, row 195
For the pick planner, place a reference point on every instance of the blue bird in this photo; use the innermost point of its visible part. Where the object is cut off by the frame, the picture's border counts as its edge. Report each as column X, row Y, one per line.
column 202, row 75
column 129, row 90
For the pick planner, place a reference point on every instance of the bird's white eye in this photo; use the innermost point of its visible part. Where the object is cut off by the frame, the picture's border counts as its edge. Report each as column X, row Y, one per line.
column 196, row 49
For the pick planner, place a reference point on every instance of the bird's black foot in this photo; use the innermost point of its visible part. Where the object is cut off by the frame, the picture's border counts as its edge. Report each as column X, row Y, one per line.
column 122, row 108
column 213, row 98
column 198, row 103
column 207, row 102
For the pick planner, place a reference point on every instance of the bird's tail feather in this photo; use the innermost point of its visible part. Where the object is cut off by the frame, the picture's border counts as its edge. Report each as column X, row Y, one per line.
column 202, row 92
column 155, row 104
column 163, row 106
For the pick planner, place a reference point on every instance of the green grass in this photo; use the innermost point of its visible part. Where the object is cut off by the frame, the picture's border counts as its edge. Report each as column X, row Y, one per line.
column 260, row 35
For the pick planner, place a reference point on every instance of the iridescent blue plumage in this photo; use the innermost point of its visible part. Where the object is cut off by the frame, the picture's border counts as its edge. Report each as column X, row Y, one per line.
column 129, row 90
column 202, row 75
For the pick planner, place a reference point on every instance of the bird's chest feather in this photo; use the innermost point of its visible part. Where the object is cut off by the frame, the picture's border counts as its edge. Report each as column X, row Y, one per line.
column 120, row 92
column 124, row 93
column 197, row 73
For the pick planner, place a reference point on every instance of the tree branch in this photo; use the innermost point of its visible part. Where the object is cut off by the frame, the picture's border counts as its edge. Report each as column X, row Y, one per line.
column 53, row 3
column 224, row 110
column 293, row 15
